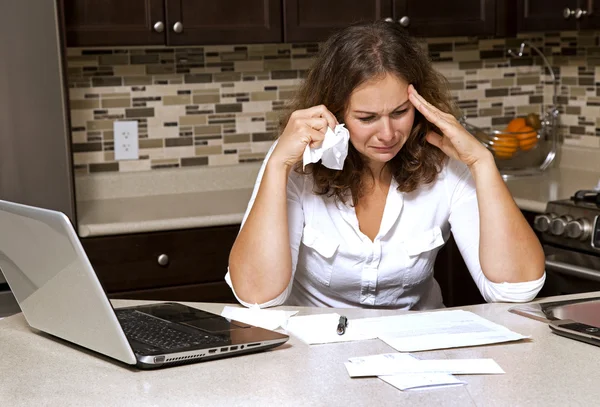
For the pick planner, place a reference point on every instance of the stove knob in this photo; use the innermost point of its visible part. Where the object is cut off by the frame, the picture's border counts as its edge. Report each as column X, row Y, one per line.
column 541, row 223
column 558, row 225
column 579, row 229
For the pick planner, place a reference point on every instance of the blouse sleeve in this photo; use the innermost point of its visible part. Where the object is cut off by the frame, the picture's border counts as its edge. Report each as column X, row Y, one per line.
column 295, row 224
column 464, row 222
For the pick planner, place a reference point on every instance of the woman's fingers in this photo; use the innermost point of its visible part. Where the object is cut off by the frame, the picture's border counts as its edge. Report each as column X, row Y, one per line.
column 431, row 113
column 319, row 111
column 317, row 123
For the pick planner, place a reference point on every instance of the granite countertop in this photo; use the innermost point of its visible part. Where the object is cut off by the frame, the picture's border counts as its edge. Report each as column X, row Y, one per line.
column 182, row 198
column 545, row 370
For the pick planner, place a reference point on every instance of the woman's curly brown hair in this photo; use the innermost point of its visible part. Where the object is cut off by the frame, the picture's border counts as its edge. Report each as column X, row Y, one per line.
column 349, row 58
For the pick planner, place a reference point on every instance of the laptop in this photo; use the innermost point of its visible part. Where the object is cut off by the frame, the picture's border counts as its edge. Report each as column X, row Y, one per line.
column 59, row 293
column 578, row 320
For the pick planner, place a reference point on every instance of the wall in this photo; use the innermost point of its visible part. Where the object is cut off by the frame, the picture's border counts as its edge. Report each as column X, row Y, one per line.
column 219, row 105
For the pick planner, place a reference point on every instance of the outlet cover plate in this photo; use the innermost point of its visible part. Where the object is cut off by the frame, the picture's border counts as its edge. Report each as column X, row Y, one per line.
column 126, row 140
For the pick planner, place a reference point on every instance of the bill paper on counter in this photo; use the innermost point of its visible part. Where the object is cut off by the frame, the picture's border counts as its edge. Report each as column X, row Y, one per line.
column 263, row 318
column 443, row 330
column 409, row 332
column 322, row 328
column 394, row 363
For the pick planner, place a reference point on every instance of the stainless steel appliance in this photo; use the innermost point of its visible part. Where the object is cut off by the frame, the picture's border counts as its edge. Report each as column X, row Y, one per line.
column 570, row 234
column 35, row 144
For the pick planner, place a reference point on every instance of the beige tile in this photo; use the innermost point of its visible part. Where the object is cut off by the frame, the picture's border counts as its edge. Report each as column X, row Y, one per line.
column 209, row 98
column 178, row 152
column 246, row 125
column 528, row 80
column 78, row 137
column 108, row 135
column 503, row 83
column 129, row 70
column 99, row 125
column 459, row 56
column 84, row 104
column 110, row 103
column 277, row 64
column 577, row 91
column 236, row 139
column 248, row 66
column 137, row 80
column 523, row 110
column 109, row 156
column 134, row 165
column 208, row 150
column 272, row 116
column 215, row 129
column 88, row 157
column 116, row 95
column 223, row 159
column 263, row 96
column 151, row 143
column 193, row 119
column 168, row 161
column 177, row 100
column 302, row 63
column 495, row 111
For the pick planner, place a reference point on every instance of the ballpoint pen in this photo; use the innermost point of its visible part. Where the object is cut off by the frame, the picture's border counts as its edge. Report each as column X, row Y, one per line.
column 342, row 325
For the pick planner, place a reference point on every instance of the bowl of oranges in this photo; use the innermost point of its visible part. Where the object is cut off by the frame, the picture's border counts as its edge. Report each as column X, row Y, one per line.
column 524, row 142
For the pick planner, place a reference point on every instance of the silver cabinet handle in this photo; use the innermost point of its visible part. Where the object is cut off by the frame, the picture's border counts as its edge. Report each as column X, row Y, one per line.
column 163, row 260
column 579, row 13
column 159, row 26
column 389, row 20
column 567, row 12
column 178, row 27
column 404, row 21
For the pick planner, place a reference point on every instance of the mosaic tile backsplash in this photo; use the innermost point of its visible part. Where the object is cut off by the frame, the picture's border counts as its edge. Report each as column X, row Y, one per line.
column 220, row 105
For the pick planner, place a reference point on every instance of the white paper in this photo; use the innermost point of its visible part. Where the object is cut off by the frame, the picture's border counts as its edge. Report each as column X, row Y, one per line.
column 414, row 332
column 322, row 328
column 264, row 318
column 421, row 381
column 333, row 150
column 393, row 363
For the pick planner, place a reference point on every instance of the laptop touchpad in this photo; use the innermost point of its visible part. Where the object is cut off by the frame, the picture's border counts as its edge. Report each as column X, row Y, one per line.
column 216, row 324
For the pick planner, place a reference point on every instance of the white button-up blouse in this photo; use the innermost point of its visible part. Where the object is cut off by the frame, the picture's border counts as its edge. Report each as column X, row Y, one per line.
column 334, row 264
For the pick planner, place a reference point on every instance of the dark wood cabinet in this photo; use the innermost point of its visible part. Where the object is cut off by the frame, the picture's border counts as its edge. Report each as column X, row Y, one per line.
column 171, row 22
column 114, row 22
column 452, row 274
column 181, row 265
column 314, row 20
column 544, row 15
column 447, row 18
column 223, row 22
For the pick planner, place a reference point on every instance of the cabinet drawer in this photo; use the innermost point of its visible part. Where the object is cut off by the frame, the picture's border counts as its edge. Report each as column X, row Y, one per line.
column 162, row 259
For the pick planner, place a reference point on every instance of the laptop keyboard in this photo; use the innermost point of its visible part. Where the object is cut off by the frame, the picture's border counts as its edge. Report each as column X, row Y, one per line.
column 158, row 333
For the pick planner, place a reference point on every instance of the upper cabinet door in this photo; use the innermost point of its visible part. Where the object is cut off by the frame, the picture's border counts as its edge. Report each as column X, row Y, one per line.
column 437, row 18
column 114, row 22
column 199, row 22
column 589, row 16
column 543, row 15
column 314, row 20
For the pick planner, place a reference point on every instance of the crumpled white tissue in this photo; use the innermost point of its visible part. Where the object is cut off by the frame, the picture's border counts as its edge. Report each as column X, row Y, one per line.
column 333, row 150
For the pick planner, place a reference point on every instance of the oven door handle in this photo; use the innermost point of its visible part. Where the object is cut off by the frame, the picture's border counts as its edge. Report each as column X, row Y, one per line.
column 572, row 270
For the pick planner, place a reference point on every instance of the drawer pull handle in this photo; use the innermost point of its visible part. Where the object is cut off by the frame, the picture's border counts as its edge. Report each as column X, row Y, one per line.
column 163, row 260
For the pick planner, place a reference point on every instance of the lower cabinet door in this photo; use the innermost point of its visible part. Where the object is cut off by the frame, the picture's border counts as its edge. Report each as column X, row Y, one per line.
column 164, row 263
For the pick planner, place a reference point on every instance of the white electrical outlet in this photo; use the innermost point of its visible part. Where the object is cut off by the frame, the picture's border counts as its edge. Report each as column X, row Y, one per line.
column 126, row 140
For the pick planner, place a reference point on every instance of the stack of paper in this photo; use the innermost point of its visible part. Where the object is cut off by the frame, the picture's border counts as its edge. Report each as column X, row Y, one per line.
column 404, row 371
column 409, row 332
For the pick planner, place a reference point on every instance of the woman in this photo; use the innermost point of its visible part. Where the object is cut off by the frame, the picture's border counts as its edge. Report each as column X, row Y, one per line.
column 368, row 235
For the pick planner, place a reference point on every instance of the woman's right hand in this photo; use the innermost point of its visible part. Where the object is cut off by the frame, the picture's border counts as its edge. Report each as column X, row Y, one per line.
column 305, row 127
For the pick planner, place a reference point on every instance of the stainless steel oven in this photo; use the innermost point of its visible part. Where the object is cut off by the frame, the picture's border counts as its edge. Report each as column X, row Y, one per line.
column 570, row 234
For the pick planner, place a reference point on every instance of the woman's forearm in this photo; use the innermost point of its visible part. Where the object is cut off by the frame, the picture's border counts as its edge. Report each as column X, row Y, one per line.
column 260, row 263
column 509, row 250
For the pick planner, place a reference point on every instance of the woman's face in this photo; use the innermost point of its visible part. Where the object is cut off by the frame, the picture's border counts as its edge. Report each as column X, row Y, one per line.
column 380, row 118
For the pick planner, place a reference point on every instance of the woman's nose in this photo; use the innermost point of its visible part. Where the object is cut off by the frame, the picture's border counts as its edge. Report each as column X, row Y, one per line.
column 386, row 132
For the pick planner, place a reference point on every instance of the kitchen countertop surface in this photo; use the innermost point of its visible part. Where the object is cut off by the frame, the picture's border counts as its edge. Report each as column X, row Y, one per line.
column 182, row 199
column 546, row 370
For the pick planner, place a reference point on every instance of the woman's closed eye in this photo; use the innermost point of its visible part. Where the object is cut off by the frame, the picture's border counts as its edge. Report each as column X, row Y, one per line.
column 395, row 114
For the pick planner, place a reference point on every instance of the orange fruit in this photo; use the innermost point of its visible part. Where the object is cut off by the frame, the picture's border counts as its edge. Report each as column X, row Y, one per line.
column 527, row 138
column 505, row 145
column 515, row 125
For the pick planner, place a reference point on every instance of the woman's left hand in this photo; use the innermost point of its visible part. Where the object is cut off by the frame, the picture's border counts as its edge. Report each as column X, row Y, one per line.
column 456, row 141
